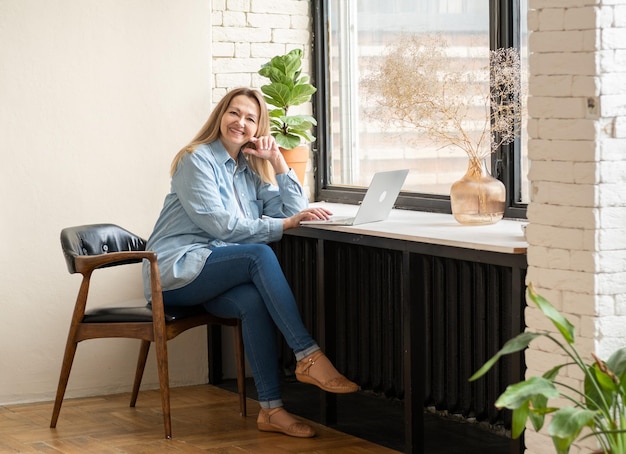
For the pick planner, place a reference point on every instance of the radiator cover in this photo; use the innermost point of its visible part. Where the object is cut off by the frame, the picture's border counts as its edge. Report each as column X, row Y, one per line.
column 470, row 310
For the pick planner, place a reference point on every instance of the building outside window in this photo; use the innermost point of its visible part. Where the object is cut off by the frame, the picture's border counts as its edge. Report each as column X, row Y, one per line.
column 354, row 141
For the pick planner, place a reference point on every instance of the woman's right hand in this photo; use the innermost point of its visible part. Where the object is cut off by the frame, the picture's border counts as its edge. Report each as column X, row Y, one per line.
column 309, row 214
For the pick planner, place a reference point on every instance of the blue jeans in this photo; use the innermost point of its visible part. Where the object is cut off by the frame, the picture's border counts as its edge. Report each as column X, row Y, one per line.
column 246, row 281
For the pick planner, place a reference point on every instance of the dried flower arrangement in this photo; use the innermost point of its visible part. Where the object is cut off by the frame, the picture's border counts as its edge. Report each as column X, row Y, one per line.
column 415, row 85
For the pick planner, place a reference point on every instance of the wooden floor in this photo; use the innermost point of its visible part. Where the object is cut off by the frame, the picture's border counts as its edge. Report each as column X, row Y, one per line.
column 204, row 419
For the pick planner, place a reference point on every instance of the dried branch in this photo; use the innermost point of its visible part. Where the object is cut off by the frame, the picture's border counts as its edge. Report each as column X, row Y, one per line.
column 414, row 86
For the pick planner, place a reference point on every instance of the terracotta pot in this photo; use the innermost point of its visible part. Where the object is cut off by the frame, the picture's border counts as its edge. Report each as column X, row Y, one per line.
column 477, row 198
column 297, row 158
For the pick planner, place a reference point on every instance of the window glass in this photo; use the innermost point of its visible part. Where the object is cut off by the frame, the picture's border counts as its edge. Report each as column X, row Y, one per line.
column 524, row 54
column 365, row 136
column 364, row 139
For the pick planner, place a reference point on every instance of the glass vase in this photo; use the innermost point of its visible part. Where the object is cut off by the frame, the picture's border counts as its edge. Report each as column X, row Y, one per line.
column 477, row 198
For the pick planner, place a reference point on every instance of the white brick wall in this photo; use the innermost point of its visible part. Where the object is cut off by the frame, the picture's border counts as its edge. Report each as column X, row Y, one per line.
column 577, row 214
column 248, row 33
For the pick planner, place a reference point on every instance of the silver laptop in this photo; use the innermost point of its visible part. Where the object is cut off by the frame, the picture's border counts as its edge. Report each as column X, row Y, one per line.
column 377, row 203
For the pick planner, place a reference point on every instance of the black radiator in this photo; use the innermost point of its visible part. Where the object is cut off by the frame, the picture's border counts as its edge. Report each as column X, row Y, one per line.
column 467, row 306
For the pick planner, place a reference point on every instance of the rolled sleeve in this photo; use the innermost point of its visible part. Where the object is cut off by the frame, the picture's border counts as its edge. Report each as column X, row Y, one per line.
column 285, row 200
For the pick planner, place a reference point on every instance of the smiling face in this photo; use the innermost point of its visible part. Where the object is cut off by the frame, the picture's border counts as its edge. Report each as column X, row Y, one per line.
column 239, row 123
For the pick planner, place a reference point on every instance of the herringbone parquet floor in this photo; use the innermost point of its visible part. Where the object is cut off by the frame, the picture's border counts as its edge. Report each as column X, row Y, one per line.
column 205, row 419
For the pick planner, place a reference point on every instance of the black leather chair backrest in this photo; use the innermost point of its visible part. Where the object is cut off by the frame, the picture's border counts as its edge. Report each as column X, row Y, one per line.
column 97, row 239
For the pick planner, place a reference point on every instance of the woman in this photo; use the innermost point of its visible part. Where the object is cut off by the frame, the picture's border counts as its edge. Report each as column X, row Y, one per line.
column 232, row 192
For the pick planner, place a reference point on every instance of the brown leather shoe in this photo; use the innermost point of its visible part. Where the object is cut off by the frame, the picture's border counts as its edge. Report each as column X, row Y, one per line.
column 316, row 369
column 278, row 420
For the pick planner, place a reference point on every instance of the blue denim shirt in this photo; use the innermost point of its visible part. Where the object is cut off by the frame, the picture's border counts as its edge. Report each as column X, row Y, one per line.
column 212, row 203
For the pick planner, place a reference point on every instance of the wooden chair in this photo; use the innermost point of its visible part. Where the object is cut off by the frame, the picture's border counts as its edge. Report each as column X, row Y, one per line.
column 90, row 247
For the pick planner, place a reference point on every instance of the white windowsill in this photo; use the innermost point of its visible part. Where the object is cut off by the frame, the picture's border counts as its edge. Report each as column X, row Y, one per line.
column 506, row 236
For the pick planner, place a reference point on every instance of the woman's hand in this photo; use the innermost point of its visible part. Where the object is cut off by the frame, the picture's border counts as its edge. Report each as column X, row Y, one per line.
column 310, row 214
column 265, row 147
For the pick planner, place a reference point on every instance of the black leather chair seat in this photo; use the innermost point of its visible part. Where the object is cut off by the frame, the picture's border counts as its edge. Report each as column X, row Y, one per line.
column 138, row 314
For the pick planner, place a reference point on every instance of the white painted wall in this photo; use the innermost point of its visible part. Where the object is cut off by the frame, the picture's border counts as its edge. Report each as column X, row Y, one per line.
column 95, row 99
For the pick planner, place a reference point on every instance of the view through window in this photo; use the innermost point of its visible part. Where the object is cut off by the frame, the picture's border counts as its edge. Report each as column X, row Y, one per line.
column 367, row 132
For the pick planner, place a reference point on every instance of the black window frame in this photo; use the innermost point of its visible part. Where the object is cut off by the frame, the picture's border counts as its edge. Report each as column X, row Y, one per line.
column 505, row 31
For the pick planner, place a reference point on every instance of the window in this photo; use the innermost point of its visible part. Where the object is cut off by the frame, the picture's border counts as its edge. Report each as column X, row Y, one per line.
column 354, row 140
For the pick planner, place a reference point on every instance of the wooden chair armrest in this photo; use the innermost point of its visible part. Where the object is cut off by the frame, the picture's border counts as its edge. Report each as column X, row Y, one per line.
column 88, row 263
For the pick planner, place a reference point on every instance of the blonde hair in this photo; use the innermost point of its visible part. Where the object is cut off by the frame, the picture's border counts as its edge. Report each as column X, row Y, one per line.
column 210, row 132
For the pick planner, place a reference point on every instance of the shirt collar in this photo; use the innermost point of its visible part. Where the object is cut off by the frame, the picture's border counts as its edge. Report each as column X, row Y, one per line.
column 222, row 156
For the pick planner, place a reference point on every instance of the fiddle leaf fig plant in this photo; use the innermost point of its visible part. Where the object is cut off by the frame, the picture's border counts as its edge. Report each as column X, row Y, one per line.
column 288, row 87
column 600, row 406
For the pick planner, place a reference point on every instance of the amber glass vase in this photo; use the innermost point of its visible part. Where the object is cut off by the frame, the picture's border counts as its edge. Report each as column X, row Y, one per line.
column 477, row 198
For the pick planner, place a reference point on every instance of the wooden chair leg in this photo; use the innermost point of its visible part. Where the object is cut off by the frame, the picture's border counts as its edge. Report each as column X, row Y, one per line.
column 164, row 383
column 141, row 365
column 240, row 359
column 66, row 367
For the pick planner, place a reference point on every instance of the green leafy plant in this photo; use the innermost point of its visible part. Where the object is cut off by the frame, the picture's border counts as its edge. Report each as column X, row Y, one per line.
column 288, row 87
column 599, row 406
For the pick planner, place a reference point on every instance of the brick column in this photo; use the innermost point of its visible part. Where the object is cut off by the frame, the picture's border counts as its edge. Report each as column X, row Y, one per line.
column 577, row 214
